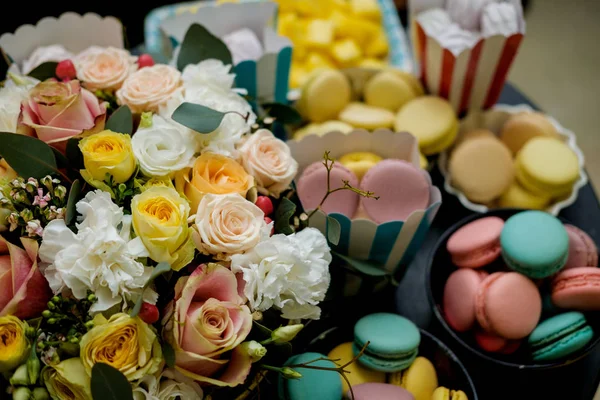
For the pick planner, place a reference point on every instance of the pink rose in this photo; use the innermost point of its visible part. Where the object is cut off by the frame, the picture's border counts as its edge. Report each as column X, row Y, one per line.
column 104, row 68
column 57, row 111
column 149, row 88
column 205, row 324
column 24, row 292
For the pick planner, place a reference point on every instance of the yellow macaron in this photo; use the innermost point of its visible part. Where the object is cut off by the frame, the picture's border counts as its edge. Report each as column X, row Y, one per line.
column 324, row 95
column 363, row 116
column 357, row 374
column 359, row 162
column 547, row 166
column 420, row 379
column 521, row 128
column 431, row 120
column 423, row 163
column 388, row 90
column 321, row 129
column 473, row 134
column 443, row 393
column 518, row 197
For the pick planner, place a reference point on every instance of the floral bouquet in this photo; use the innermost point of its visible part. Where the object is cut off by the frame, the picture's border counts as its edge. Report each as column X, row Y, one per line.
column 152, row 247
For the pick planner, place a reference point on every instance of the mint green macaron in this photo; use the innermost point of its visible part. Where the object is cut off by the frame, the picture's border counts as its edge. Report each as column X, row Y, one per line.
column 393, row 342
column 314, row 384
column 560, row 336
column 535, row 244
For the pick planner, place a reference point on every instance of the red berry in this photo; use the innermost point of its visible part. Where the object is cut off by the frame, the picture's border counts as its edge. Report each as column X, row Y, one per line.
column 145, row 60
column 265, row 204
column 149, row 313
column 65, row 70
column 268, row 221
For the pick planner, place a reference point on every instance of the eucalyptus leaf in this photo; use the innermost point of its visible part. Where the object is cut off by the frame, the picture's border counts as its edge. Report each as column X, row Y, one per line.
column 282, row 113
column 198, row 118
column 74, row 154
column 28, row 156
column 367, row 267
column 72, row 201
column 199, row 45
column 61, row 160
column 334, row 230
column 109, row 383
column 44, row 71
column 168, row 354
column 283, row 214
column 121, row 121
column 160, row 269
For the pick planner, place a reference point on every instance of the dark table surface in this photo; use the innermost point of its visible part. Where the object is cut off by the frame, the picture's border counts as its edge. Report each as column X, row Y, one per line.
column 576, row 381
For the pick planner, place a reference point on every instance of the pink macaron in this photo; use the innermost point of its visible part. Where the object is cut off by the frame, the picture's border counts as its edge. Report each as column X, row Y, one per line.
column 459, row 298
column 402, row 189
column 495, row 344
column 477, row 243
column 508, row 305
column 312, row 187
column 582, row 249
column 577, row 289
column 379, row 391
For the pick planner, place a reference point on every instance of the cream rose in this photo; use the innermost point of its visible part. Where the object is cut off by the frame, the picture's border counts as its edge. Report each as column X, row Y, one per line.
column 269, row 161
column 228, row 224
column 104, row 67
column 150, row 87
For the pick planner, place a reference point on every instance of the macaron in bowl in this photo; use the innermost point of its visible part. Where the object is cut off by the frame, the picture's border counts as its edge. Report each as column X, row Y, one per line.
column 577, row 289
column 476, row 244
column 560, row 336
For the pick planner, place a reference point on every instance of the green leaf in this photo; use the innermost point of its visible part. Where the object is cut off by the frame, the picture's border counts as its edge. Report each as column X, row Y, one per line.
column 283, row 214
column 160, row 269
column 109, row 383
column 334, row 230
column 121, row 121
column 168, row 354
column 367, row 267
column 282, row 113
column 199, row 45
column 262, row 329
column 73, row 153
column 44, row 71
column 28, row 156
column 61, row 160
column 198, row 118
column 72, row 201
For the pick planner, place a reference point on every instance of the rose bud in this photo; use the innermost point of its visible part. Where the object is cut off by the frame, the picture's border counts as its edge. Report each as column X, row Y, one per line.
column 265, row 204
column 65, row 70
column 149, row 313
column 145, row 60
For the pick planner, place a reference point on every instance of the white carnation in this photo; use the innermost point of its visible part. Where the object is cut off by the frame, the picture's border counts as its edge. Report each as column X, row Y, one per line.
column 56, row 53
column 164, row 148
column 290, row 273
column 100, row 257
column 10, row 107
column 170, row 385
column 208, row 73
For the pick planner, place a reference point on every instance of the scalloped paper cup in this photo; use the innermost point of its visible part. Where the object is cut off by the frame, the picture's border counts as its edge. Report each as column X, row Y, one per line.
column 75, row 32
column 392, row 244
column 493, row 120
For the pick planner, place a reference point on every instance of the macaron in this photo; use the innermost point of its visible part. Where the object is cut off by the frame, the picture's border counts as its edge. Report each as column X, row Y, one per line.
column 477, row 243
column 535, row 244
column 582, row 249
column 473, row 134
column 420, row 379
column 357, row 374
column 367, row 117
column 388, row 90
column 411, row 79
column 314, row 383
column 402, row 188
column 360, row 162
column 459, row 298
column 312, row 187
column 508, row 305
column 393, row 342
column 560, row 336
column 443, row 393
column 482, row 168
column 377, row 391
column 495, row 344
column 423, row 163
column 547, row 166
column 577, row 289
column 521, row 128
column 322, row 129
column 518, row 197
column 431, row 120
column 324, row 95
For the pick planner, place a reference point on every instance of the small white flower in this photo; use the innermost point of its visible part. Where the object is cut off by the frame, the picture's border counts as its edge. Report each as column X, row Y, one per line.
column 208, row 73
column 164, row 148
column 44, row 54
column 290, row 273
column 170, row 385
column 100, row 257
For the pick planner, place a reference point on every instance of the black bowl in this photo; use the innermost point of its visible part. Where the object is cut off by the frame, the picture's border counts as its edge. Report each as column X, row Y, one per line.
column 439, row 268
column 450, row 371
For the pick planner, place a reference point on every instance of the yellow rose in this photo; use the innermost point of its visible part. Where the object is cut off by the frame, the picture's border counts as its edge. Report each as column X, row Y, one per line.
column 67, row 380
column 125, row 343
column 213, row 173
column 160, row 219
column 13, row 342
column 157, row 181
column 108, row 152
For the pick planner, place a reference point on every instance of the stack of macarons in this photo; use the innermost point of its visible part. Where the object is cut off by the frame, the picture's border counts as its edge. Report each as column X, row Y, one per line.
column 527, row 165
column 401, row 187
column 505, row 269
column 389, row 368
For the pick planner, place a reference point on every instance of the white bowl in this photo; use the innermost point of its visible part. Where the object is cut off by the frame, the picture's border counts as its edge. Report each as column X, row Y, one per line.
column 493, row 120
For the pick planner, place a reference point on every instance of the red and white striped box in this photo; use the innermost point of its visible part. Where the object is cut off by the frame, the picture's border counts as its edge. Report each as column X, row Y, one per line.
column 472, row 79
